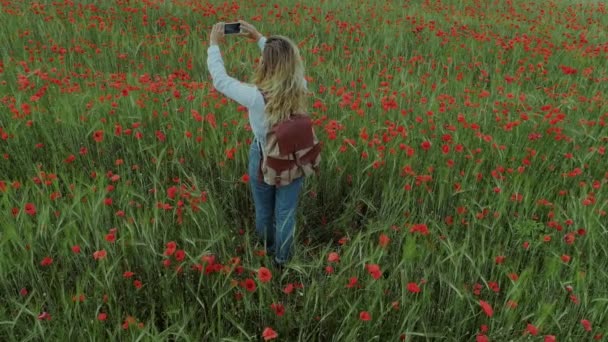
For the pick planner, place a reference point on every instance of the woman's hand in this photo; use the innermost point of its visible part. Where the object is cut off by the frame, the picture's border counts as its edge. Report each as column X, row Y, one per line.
column 217, row 33
column 249, row 31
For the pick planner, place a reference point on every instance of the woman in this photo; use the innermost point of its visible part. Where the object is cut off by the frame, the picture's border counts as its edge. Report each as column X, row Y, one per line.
column 278, row 89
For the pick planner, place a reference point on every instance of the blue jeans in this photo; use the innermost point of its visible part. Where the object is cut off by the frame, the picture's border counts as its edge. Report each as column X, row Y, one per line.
column 275, row 209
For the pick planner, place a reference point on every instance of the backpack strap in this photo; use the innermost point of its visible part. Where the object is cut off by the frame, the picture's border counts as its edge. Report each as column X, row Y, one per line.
column 311, row 155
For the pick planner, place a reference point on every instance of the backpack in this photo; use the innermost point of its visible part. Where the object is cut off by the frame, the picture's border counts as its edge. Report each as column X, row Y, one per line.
column 292, row 150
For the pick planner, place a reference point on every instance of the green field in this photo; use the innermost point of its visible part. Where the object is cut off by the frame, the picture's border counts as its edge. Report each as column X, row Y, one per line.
column 462, row 194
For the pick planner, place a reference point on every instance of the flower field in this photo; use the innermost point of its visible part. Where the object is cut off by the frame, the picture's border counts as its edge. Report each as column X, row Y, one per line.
column 462, row 194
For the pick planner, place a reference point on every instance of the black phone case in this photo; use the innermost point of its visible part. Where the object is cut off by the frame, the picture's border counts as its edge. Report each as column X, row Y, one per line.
column 232, row 28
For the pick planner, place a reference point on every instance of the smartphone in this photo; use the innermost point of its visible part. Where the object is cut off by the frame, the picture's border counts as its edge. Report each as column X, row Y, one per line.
column 232, row 28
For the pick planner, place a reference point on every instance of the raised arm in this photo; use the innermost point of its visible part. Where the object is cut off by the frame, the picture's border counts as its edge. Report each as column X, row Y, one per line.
column 240, row 92
column 249, row 31
column 261, row 43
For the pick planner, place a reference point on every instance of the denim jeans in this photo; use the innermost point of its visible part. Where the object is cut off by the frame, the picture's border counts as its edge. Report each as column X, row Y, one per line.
column 275, row 209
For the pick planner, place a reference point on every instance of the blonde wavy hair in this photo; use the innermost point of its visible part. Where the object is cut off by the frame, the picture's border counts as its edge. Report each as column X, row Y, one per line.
column 280, row 76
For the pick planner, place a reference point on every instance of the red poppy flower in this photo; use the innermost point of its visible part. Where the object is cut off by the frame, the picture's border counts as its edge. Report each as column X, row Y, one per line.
column 420, row 228
column 500, row 259
column 486, row 308
column 532, row 329
column 110, row 237
column 374, row 270
column 264, row 274
column 481, row 338
column 76, row 249
column 278, row 309
column 333, row 257
column 171, row 192
column 47, row 261
column 586, row 324
column 413, row 288
column 170, row 248
column 210, row 118
column 569, row 238
column 365, row 316
column 566, row 70
column 180, row 255
column 352, row 282
column 269, row 334
column 102, row 316
column 99, row 255
column 513, row 276
column 494, row 286
column 383, row 240
column 30, row 209
column 128, row 321
column 250, row 285
column 288, row 289
column 206, row 259
column 45, row 316
column 98, row 136
column 70, row 159
column 550, row 338
column 574, row 299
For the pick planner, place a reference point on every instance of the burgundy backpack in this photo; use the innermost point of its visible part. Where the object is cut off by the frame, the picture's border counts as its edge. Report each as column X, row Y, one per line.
column 292, row 150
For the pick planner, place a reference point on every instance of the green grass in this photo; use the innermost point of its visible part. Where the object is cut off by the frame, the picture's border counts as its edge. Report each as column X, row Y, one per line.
column 516, row 165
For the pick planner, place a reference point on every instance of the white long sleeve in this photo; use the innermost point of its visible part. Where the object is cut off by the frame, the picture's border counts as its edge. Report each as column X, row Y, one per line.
column 245, row 94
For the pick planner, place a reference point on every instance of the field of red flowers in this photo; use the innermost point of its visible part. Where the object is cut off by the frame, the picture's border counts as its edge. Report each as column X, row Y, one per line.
column 462, row 195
